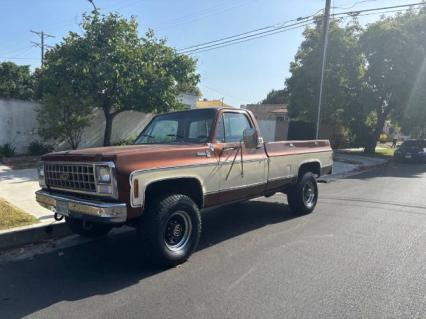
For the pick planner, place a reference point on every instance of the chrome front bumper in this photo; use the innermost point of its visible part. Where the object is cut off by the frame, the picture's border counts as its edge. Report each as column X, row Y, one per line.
column 90, row 210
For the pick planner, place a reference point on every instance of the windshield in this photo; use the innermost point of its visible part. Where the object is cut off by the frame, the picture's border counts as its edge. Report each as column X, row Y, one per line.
column 180, row 127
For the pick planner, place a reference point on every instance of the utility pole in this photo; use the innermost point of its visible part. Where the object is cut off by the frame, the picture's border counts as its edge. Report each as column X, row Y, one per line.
column 326, row 24
column 42, row 36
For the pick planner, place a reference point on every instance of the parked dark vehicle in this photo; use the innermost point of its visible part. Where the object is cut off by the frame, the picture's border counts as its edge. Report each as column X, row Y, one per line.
column 411, row 151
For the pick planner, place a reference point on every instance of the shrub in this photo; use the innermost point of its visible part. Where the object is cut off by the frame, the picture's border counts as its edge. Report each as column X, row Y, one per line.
column 126, row 141
column 7, row 150
column 38, row 148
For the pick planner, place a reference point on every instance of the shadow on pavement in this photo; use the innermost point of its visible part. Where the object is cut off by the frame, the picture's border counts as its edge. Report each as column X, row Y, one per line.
column 16, row 176
column 393, row 169
column 113, row 263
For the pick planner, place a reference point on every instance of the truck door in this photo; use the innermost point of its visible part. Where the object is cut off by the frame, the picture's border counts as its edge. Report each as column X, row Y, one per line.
column 243, row 176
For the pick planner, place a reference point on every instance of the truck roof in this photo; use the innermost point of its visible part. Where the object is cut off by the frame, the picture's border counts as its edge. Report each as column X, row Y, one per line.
column 203, row 109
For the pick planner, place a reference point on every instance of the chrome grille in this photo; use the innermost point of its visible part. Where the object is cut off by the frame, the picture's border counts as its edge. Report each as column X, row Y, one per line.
column 80, row 177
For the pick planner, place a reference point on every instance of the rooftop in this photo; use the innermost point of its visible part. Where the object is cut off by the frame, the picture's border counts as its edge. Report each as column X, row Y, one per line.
column 211, row 103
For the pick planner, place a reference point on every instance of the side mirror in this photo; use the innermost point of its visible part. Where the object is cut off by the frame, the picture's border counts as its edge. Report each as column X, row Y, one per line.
column 250, row 138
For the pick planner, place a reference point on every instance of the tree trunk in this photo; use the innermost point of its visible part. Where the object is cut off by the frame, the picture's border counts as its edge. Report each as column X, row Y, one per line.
column 370, row 147
column 108, row 128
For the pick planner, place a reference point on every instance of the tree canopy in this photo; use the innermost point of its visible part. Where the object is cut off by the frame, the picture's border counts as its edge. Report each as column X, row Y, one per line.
column 373, row 74
column 111, row 68
column 343, row 73
column 16, row 81
column 395, row 50
column 276, row 97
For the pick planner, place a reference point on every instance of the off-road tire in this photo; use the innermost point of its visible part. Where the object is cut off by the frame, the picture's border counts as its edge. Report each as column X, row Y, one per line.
column 87, row 229
column 297, row 197
column 159, row 226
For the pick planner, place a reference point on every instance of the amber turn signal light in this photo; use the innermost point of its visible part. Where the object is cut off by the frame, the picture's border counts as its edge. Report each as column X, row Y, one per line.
column 136, row 188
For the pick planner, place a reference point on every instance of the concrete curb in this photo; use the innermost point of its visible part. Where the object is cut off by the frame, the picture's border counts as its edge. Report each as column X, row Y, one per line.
column 360, row 170
column 21, row 236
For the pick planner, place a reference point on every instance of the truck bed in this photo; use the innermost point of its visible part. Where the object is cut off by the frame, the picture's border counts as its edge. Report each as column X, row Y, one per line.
column 286, row 157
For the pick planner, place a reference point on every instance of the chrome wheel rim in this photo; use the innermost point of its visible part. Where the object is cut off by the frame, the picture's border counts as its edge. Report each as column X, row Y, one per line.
column 309, row 194
column 177, row 231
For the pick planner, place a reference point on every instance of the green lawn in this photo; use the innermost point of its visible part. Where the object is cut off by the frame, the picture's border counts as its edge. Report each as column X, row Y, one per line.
column 382, row 150
column 12, row 216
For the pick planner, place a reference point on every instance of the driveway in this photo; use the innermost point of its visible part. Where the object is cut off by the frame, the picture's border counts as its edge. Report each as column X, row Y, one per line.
column 18, row 187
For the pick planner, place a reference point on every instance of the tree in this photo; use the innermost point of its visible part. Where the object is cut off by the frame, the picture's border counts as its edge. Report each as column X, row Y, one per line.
column 63, row 119
column 16, row 81
column 414, row 121
column 114, row 70
column 395, row 51
column 276, row 97
column 344, row 73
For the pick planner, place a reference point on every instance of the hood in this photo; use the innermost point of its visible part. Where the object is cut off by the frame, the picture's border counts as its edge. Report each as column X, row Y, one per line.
column 111, row 153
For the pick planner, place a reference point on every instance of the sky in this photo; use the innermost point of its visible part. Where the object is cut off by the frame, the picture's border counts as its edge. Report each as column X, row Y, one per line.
column 240, row 74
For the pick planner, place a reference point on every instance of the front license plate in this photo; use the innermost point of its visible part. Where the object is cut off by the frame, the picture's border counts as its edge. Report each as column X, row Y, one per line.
column 408, row 156
column 62, row 208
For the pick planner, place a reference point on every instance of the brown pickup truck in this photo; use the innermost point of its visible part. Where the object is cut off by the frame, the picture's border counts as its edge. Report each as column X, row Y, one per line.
column 181, row 163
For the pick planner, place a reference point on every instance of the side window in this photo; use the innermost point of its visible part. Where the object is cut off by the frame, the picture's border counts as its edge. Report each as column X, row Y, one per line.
column 235, row 124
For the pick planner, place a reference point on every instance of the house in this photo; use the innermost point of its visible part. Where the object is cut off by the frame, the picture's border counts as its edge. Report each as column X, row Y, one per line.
column 201, row 104
column 273, row 120
column 189, row 100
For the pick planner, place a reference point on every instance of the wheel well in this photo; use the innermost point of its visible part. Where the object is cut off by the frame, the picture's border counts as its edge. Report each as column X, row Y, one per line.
column 190, row 187
column 313, row 167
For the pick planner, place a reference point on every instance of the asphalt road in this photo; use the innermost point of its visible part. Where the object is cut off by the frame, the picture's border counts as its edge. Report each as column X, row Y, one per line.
column 362, row 253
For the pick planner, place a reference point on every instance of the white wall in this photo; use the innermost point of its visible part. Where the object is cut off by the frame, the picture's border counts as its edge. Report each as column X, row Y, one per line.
column 125, row 125
column 18, row 123
column 18, row 126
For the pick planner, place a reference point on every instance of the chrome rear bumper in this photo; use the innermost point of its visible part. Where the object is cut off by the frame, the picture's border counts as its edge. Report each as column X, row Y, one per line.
column 96, row 211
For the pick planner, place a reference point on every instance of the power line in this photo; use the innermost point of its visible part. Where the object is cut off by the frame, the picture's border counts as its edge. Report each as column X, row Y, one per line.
column 371, row 13
column 272, row 27
column 224, row 93
column 270, row 30
column 249, row 39
column 41, row 45
column 356, row 12
column 203, row 14
column 354, row 4
column 239, row 37
column 17, row 51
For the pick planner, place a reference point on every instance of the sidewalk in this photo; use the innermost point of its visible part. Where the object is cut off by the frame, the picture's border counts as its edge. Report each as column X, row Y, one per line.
column 347, row 164
column 18, row 187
